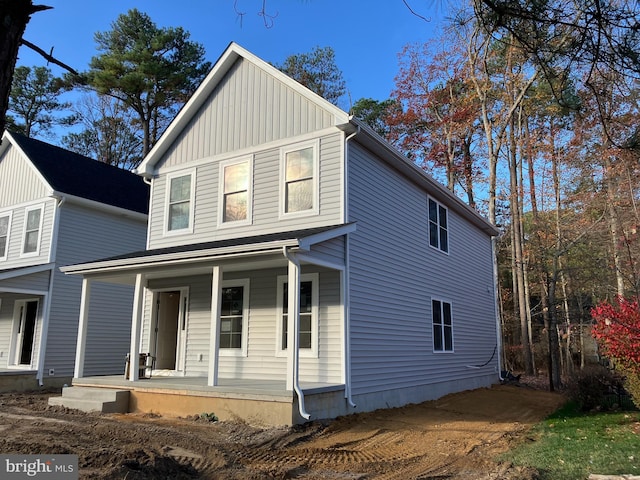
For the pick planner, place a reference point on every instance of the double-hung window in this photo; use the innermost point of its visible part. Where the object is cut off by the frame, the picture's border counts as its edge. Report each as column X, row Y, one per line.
column 308, row 339
column 5, row 226
column 235, row 192
column 234, row 317
column 179, row 215
column 442, row 326
column 438, row 226
column 32, row 230
column 299, row 179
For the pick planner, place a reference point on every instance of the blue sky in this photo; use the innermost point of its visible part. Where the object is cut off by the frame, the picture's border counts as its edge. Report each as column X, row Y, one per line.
column 366, row 35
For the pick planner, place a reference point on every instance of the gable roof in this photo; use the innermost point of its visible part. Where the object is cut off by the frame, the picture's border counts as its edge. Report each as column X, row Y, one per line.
column 70, row 173
column 208, row 85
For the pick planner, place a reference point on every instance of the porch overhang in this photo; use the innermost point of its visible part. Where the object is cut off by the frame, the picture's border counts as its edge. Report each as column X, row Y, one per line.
column 123, row 268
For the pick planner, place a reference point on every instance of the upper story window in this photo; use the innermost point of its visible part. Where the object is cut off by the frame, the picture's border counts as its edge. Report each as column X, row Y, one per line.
column 32, row 230
column 442, row 326
column 299, row 179
column 308, row 339
column 5, row 226
column 438, row 226
column 235, row 191
column 234, row 317
column 179, row 209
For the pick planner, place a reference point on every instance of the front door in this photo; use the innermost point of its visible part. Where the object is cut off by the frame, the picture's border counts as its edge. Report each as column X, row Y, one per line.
column 169, row 335
column 26, row 312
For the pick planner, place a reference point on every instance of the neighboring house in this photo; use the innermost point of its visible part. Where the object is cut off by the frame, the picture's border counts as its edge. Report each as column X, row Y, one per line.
column 257, row 185
column 56, row 208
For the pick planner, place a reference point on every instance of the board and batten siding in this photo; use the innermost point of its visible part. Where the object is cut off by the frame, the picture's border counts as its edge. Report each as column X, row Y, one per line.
column 84, row 235
column 261, row 360
column 266, row 198
column 249, row 107
column 19, row 182
column 394, row 274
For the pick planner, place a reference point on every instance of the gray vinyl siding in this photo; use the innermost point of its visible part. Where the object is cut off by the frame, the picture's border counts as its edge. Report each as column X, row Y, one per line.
column 19, row 182
column 266, row 196
column 261, row 360
column 37, row 282
column 394, row 275
column 87, row 234
column 16, row 239
column 249, row 107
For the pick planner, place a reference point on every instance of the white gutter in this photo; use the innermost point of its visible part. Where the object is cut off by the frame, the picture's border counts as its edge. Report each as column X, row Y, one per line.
column 85, row 202
column 296, row 335
column 188, row 256
column 346, row 277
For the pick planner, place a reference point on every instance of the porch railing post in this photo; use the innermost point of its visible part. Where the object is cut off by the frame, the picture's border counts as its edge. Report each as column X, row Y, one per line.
column 216, row 305
column 81, row 342
column 136, row 326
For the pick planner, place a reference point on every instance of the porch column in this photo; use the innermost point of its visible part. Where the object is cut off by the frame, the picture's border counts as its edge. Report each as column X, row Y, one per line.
column 293, row 323
column 216, row 305
column 136, row 326
column 83, row 322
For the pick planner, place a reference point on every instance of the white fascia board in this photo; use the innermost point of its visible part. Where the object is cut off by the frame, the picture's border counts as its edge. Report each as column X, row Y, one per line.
column 219, row 70
column 8, row 136
column 306, row 242
column 105, row 207
column 190, row 256
column 409, row 168
column 19, row 272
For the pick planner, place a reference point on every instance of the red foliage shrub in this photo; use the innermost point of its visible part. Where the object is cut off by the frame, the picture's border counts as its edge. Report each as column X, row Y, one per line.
column 617, row 330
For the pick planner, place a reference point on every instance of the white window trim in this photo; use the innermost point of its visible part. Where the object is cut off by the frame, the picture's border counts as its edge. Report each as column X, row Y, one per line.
column 8, row 214
column 239, row 352
column 170, row 176
column 314, row 278
column 438, row 205
column 315, row 144
column 24, row 230
column 453, row 343
column 249, row 220
column 12, row 359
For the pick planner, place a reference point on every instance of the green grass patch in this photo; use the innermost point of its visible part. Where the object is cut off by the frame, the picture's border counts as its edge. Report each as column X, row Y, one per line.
column 571, row 444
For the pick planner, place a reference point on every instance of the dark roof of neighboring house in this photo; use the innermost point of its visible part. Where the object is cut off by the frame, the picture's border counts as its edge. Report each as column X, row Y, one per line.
column 74, row 174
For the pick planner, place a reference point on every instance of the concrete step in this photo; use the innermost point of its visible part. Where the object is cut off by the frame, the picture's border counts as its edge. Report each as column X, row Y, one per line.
column 87, row 399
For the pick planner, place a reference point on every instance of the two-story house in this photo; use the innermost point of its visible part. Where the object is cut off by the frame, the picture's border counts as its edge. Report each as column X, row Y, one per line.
column 297, row 265
column 56, row 208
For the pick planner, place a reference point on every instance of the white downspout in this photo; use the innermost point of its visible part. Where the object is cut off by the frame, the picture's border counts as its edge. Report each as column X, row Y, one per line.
column 295, row 335
column 347, row 275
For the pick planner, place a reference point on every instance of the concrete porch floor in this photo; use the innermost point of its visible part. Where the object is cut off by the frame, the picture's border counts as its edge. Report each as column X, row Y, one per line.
column 258, row 389
column 256, row 401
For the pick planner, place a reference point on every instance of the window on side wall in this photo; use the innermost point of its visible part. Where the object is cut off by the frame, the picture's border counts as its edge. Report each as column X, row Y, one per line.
column 5, row 227
column 180, row 190
column 438, row 226
column 32, row 230
column 442, row 326
column 308, row 315
column 299, row 179
column 234, row 319
column 235, row 192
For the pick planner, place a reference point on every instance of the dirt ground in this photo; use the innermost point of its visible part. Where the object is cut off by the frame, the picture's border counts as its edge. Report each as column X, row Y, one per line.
column 455, row 437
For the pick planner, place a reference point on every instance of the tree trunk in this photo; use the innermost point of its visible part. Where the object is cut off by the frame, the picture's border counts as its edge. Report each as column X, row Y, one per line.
column 14, row 16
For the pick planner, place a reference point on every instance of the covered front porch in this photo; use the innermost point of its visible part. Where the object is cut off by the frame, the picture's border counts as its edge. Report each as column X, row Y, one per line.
column 234, row 340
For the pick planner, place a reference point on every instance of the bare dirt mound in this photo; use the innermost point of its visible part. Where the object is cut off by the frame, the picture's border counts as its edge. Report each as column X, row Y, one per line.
column 455, row 437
